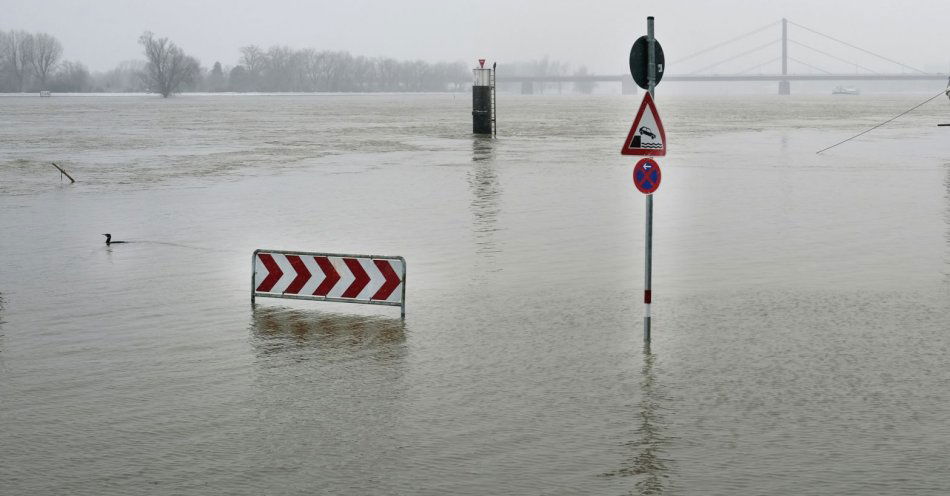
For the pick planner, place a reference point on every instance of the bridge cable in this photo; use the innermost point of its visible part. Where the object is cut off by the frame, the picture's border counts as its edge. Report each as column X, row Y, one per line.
column 718, row 45
column 747, row 52
column 776, row 59
column 809, row 65
column 857, row 47
column 872, row 71
column 942, row 92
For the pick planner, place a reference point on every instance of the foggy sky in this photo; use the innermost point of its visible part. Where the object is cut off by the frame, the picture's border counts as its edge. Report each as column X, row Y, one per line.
column 595, row 33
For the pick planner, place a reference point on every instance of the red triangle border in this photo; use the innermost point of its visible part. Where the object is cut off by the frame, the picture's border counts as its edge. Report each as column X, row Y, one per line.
column 626, row 150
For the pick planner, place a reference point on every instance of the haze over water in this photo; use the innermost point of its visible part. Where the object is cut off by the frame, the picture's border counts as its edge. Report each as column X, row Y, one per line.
column 801, row 301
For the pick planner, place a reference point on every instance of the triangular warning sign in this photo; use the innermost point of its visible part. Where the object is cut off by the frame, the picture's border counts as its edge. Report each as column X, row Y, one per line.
column 646, row 136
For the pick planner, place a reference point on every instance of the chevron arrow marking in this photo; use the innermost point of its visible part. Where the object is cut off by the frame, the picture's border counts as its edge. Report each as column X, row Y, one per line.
column 360, row 278
column 392, row 280
column 319, row 276
column 332, row 276
column 273, row 273
column 303, row 275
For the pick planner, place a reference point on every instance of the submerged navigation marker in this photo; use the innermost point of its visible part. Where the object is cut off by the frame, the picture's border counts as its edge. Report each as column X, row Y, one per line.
column 646, row 136
column 483, row 99
column 372, row 279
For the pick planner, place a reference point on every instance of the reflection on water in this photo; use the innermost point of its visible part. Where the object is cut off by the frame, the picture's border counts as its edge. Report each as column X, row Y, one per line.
column 278, row 330
column 327, row 397
column 483, row 148
column 946, row 219
column 1, row 322
column 486, row 193
column 645, row 461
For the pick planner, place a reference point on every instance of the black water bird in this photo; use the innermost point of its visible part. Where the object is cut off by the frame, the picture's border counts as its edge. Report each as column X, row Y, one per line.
column 109, row 240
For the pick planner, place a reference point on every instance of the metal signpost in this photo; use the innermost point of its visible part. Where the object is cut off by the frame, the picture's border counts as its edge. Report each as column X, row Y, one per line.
column 647, row 137
column 370, row 279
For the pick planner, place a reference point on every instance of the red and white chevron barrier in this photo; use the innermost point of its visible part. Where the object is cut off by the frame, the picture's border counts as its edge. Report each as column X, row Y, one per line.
column 329, row 277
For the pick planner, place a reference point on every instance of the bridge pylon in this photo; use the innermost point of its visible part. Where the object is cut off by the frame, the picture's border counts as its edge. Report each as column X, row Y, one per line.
column 784, row 87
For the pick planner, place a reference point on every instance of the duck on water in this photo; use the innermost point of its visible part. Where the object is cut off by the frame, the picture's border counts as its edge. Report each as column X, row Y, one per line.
column 109, row 240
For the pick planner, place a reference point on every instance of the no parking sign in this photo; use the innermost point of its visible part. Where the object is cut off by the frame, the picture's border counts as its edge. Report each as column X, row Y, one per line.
column 646, row 176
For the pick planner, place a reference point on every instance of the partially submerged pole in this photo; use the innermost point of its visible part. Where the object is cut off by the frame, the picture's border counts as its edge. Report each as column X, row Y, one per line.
column 71, row 180
column 482, row 115
column 648, row 248
column 494, row 99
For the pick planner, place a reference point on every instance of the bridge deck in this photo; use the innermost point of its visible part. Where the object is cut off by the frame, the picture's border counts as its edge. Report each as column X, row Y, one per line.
column 731, row 77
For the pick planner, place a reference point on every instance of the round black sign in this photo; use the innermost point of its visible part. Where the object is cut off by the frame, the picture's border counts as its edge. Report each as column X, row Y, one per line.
column 638, row 62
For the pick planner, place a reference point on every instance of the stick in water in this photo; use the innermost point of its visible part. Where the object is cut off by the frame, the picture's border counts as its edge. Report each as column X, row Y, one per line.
column 71, row 180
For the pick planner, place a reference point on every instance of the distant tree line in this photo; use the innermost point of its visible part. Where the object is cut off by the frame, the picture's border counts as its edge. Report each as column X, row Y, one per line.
column 285, row 69
column 546, row 67
column 31, row 62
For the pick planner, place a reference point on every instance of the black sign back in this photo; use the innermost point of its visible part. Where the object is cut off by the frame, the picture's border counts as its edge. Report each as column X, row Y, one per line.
column 639, row 58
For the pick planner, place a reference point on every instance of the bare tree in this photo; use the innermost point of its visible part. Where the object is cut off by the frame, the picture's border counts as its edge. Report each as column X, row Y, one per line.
column 310, row 64
column 5, row 84
column 15, row 50
column 127, row 76
column 70, row 76
column 45, row 52
column 168, row 66
column 254, row 60
column 280, row 73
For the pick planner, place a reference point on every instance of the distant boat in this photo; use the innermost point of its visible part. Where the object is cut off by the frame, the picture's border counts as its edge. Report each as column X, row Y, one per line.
column 843, row 90
column 44, row 93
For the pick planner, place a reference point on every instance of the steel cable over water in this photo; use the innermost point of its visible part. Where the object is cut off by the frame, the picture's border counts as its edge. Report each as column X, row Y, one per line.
column 845, row 43
column 921, row 104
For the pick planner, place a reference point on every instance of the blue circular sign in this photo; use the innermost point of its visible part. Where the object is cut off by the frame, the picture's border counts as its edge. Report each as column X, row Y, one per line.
column 646, row 175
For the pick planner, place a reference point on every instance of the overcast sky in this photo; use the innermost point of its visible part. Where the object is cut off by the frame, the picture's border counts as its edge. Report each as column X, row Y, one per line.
column 595, row 33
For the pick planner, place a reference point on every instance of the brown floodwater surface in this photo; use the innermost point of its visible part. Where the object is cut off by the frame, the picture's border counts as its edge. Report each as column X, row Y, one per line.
column 801, row 302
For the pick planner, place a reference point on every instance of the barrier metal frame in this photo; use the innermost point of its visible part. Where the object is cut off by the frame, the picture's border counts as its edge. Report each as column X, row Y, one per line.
column 255, row 293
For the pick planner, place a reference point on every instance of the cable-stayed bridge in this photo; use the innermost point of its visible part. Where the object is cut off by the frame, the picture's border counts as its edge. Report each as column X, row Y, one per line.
column 867, row 65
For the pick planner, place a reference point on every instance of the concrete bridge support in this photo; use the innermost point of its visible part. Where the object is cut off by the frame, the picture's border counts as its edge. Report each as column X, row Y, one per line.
column 627, row 86
column 784, row 87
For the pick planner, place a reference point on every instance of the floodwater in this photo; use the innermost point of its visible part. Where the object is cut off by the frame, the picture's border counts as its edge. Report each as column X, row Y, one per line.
column 801, row 301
